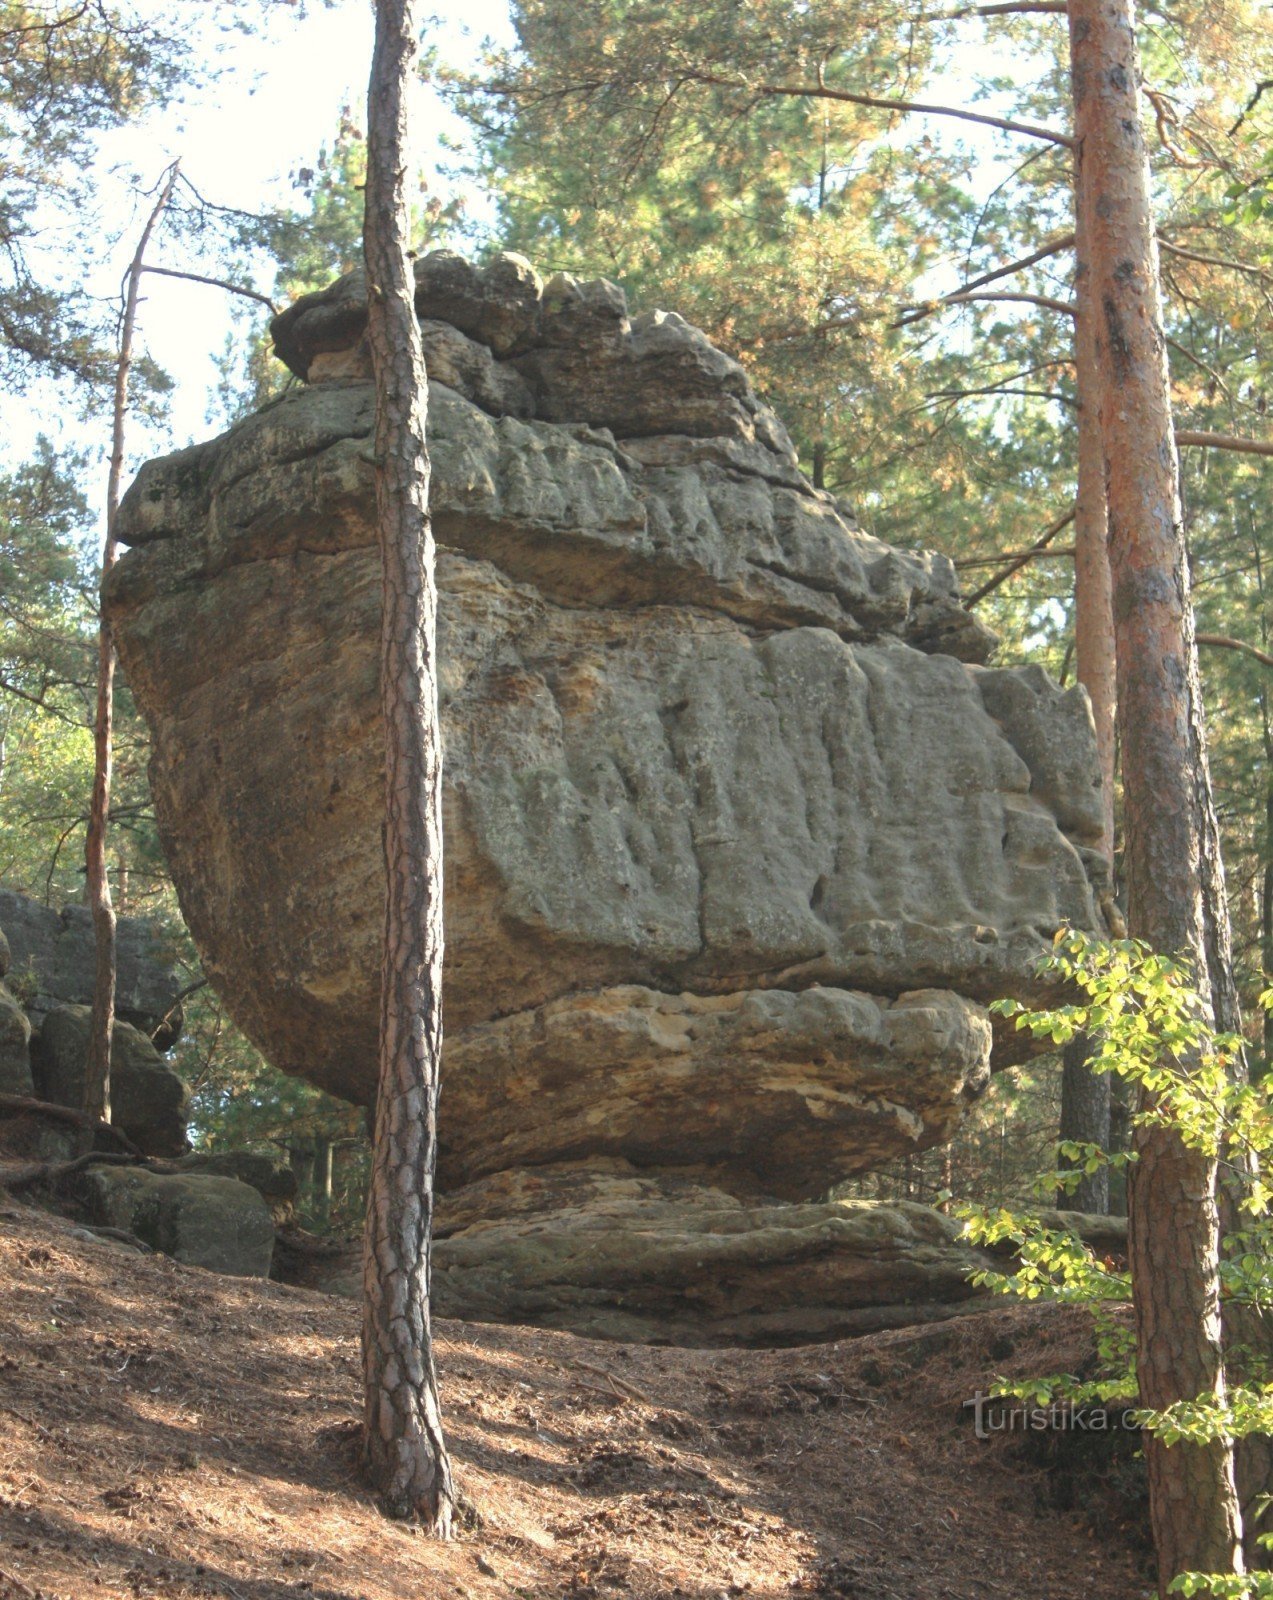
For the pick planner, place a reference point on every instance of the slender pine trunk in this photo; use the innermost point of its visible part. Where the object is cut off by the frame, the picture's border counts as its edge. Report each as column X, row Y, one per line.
column 1085, row 1096
column 97, row 1072
column 405, row 1450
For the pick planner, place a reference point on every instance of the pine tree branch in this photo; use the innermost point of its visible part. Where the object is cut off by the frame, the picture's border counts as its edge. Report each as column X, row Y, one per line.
column 1050, row 247
column 997, row 389
column 963, row 297
column 1032, row 554
column 1222, row 641
column 216, row 283
column 1225, row 441
column 1214, row 261
column 1012, row 8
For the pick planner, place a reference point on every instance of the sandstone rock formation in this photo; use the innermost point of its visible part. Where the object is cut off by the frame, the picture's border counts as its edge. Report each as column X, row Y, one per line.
column 149, row 1101
column 613, row 1253
column 211, row 1222
column 47, row 957
column 15, row 1047
column 274, row 1181
column 51, row 951
column 740, row 836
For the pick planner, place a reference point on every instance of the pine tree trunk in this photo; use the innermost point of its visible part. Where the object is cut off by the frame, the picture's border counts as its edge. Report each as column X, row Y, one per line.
column 1085, row 1096
column 1266, row 901
column 406, row 1454
column 1093, row 595
column 1085, row 1108
column 97, row 1067
column 1169, row 819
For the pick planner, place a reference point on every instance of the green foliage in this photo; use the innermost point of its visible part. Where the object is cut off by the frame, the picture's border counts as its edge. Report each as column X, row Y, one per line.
column 66, row 73
column 311, row 245
column 1251, row 1586
column 1155, row 1032
column 1056, row 1265
column 239, row 1101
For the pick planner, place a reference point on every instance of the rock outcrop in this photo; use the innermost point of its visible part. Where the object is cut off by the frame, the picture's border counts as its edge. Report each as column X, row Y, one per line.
column 613, row 1253
column 741, row 837
column 272, row 1179
column 47, row 960
column 51, row 952
column 15, row 1047
column 212, row 1222
column 150, row 1103
column 15, row 1034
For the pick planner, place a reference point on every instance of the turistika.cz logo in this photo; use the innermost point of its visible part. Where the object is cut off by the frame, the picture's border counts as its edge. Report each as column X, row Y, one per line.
column 993, row 1414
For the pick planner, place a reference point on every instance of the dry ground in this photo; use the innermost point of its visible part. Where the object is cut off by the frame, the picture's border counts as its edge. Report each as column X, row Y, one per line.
column 167, row 1432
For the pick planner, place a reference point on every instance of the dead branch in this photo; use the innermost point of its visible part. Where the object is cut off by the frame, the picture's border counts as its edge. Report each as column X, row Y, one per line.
column 619, row 1386
column 10, row 1577
column 1041, row 543
column 1166, row 118
column 215, row 283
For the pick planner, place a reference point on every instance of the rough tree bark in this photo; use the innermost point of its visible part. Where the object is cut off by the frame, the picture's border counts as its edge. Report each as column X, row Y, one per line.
column 405, row 1452
column 1169, row 818
column 97, row 1072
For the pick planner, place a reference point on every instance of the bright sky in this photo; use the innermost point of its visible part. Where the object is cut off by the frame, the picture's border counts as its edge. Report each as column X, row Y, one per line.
column 275, row 101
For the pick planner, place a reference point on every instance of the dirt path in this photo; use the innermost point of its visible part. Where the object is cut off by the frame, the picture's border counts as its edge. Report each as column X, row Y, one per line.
column 164, row 1432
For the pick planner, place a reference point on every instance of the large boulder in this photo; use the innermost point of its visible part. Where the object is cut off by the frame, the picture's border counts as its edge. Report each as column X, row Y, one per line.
column 273, row 1180
column 150, row 1103
column 211, row 1222
column 767, row 1092
column 741, row 837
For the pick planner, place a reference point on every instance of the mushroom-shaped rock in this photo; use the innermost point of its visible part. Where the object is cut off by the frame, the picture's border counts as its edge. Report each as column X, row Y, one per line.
column 739, row 839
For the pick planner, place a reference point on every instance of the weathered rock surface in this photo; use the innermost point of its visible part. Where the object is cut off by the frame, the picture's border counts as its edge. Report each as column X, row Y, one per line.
column 614, row 1253
column 763, row 1092
column 212, row 1222
column 15, row 1047
column 740, row 839
column 273, row 1180
column 57, row 949
column 638, row 792
column 149, row 1101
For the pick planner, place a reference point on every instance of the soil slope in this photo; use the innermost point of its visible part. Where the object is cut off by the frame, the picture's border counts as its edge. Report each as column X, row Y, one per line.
column 167, row 1432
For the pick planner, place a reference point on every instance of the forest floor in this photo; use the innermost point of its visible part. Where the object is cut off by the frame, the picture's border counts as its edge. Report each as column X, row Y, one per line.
column 165, row 1432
